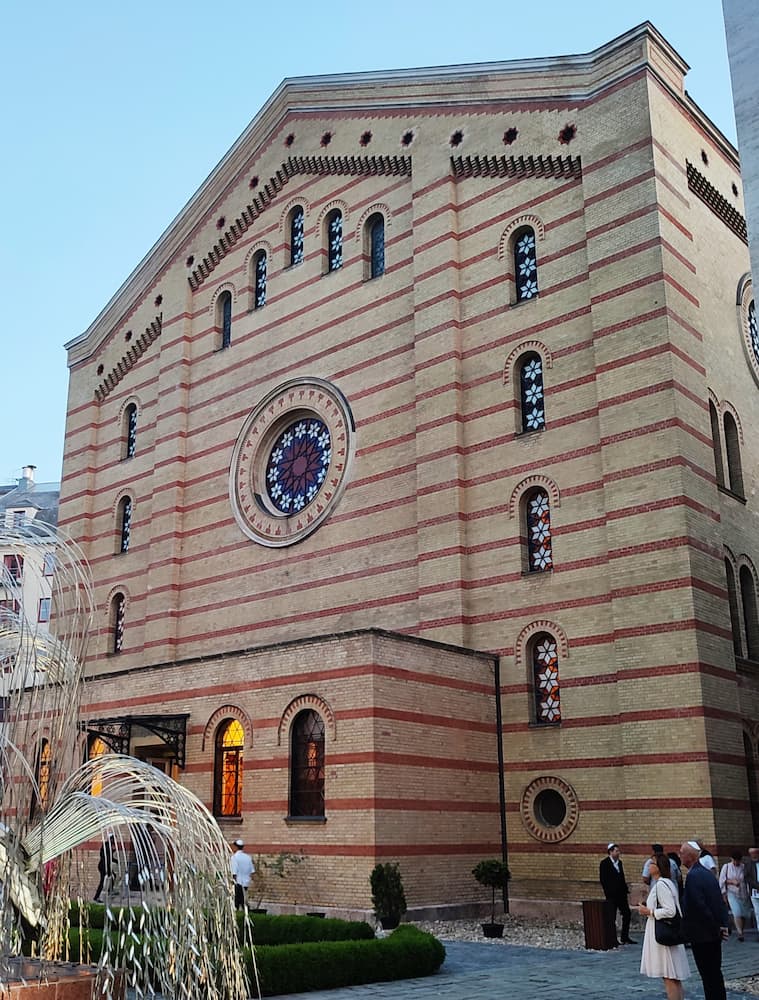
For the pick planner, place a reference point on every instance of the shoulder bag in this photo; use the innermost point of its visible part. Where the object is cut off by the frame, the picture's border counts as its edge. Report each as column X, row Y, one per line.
column 668, row 930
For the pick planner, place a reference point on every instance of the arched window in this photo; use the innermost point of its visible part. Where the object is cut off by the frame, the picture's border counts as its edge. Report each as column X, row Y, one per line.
column 116, row 624
column 733, row 449
column 42, row 773
column 296, row 235
column 732, row 598
column 750, row 616
column 125, row 523
column 531, row 397
column 97, row 748
column 259, row 276
column 130, row 432
column 307, row 765
column 525, row 264
column 375, row 244
column 224, row 318
column 335, row 240
column 537, row 515
column 752, row 782
column 227, row 774
column 545, row 671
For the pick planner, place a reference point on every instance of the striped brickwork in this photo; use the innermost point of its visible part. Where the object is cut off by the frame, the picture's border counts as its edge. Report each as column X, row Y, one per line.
column 637, row 328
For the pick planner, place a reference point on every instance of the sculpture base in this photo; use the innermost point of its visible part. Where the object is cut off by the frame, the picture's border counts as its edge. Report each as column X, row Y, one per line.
column 28, row 979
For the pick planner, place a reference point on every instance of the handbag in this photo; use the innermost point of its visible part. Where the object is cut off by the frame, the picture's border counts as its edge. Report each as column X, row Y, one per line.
column 668, row 930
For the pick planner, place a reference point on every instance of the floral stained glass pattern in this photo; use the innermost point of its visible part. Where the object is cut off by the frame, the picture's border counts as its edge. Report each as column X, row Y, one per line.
column 545, row 662
column 753, row 331
column 260, row 299
column 298, row 465
column 525, row 265
column 539, row 546
column 131, row 442
column 296, row 236
column 335, row 237
column 531, row 395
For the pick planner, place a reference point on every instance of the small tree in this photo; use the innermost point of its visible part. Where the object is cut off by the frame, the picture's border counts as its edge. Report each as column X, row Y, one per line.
column 388, row 896
column 493, row 874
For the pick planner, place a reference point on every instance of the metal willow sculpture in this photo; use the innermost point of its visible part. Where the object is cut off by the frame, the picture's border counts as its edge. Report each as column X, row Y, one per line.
column 169, row 918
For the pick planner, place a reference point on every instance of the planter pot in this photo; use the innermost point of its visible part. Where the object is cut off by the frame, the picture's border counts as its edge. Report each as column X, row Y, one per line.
column 389, row 923
column 492, row 930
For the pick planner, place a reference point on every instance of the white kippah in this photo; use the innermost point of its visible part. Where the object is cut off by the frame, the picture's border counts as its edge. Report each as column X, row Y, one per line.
column 609, row 846
column 694, row 845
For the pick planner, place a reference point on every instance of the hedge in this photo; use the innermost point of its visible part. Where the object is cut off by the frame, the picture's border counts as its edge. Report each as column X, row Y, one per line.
column 298, row 968
column 295, row 929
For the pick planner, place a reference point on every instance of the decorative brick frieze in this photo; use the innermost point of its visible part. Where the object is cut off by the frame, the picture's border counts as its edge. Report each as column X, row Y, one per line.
column 711, row 197
column 517, row 166
column 129, row 360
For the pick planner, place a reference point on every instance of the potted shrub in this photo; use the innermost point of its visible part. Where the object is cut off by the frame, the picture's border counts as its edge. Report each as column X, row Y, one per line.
column 494, row 875
column 387, row 894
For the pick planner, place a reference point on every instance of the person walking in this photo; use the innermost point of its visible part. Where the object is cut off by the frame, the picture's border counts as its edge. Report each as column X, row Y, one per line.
column 705, row 921
column 242, row 867
column 661, row 961
column 732, row 882
column 611, row 875
column 752, row 881
column 105, row 866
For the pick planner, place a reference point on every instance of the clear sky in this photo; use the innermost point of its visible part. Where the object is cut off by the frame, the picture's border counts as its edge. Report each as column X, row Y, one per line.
column 116, row 113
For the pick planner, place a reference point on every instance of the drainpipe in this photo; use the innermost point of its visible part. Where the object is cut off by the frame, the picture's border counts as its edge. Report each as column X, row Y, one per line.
column 501, row 782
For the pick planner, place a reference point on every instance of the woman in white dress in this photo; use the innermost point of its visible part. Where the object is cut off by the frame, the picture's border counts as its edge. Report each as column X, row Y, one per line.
column 659, row 961
column 732, row 882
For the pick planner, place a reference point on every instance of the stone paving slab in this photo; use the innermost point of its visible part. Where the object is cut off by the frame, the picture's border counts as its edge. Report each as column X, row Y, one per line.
column 510, row 972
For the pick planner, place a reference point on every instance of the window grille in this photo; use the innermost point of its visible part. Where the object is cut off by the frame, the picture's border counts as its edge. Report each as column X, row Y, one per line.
column 227, row 795
column 307, row 765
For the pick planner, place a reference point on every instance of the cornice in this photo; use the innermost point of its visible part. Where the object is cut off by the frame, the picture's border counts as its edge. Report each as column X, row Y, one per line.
column 129, row 360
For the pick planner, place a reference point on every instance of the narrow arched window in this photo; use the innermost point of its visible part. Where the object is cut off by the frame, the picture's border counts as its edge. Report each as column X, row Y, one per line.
column 752, row 782
column 227, row 775
column 544, row 656
column 716, row 444
column 531, row 395
column 732, row 599
column 307, row 765
column 116, row 624
column 750, row 616
column 335, row 240
column 125, row 523
column 525, row 264
column 375, row 231
column 259, row 276
column 296, row 235
column 733, row 449
column 97, row 748
column 41, row 793
column 130, row 432
column 537, row 513
column 224, row 318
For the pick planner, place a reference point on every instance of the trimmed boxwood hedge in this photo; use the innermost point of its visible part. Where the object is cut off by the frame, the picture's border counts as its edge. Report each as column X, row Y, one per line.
column 296, row 929
column 298, row 968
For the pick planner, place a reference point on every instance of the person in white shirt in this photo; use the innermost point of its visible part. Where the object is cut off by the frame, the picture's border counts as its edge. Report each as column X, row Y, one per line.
column 242, row 867
column 752, row 880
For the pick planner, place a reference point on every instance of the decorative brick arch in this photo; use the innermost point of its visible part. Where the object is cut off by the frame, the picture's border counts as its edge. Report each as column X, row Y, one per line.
column 533, row 629
column 744, row 560
column 330, row 207
column 130, row 400
column 228, row 712
column 225, row 286
column 529, row 483
column 285, row 213
column 305, row 701
column 118, row 588
column 258, row 245
column 526, row 347
column 126, row 491
column 727, row 407
column 379, row 208
column 730, row 556
column 534, row 221
column 745, row 291
column 713, row 398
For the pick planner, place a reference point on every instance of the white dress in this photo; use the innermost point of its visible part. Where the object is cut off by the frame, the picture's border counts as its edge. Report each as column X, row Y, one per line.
column 658, row 960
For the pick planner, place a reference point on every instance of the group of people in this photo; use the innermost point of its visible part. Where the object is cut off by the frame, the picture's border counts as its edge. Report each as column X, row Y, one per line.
column 696, row 907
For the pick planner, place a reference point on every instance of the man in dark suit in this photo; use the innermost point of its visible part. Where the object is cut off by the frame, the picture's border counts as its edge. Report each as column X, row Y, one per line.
column 705, row 921
column 612, row 877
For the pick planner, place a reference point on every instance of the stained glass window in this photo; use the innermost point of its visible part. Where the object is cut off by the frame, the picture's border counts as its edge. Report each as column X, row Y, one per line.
column 228, row 769
column 376, row 246
column 41, row 794
column 307, row 765
column 733, row 453
column 260, row 276
column 539, row 547
column 531, row 396
column 525, row 264
column 118, row 610
column 125, row 512
column 131, row 431
column 545, row 665
column 752, row 330
column 225, row 318
column 296, row 235
column 335, row 240
column 298, row 464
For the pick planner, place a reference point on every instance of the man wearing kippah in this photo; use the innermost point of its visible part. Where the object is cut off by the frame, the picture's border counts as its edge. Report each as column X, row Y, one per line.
column 705, row 921
column 611, row 874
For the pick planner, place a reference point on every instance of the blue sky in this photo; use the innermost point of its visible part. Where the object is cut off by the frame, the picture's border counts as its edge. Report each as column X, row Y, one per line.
column 116, row 113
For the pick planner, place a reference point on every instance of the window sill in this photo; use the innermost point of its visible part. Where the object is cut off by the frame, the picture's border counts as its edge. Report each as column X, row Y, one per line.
column 306, row 819
column 544, row 725
column 536, row 573
column 524, row 302
column 228, row 820
column 530, row 433
column 728, row 492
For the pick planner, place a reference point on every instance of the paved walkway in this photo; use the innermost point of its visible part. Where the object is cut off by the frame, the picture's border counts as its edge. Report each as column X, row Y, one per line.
column 510, row 972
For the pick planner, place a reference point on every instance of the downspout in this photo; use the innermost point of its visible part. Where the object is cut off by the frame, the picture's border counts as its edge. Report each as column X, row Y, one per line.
column 501, row 782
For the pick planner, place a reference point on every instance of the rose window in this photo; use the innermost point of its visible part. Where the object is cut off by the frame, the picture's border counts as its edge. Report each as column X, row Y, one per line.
column 298, row 464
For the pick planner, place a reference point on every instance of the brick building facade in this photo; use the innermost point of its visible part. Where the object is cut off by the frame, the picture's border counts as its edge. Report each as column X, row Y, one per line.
column 439, row 385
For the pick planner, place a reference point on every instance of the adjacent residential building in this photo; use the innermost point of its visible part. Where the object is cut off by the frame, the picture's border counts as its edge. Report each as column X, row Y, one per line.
column 414, row 469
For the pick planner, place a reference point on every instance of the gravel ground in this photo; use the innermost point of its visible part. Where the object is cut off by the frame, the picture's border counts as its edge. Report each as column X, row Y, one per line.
column 537, row 934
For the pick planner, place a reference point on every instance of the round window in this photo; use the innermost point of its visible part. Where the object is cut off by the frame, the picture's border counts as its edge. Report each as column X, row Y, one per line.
column 298, row 464
column 549, row 809
column 747, row 321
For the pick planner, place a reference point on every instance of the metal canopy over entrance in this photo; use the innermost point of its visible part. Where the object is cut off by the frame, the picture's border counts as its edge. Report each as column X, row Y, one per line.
column 116, row 733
